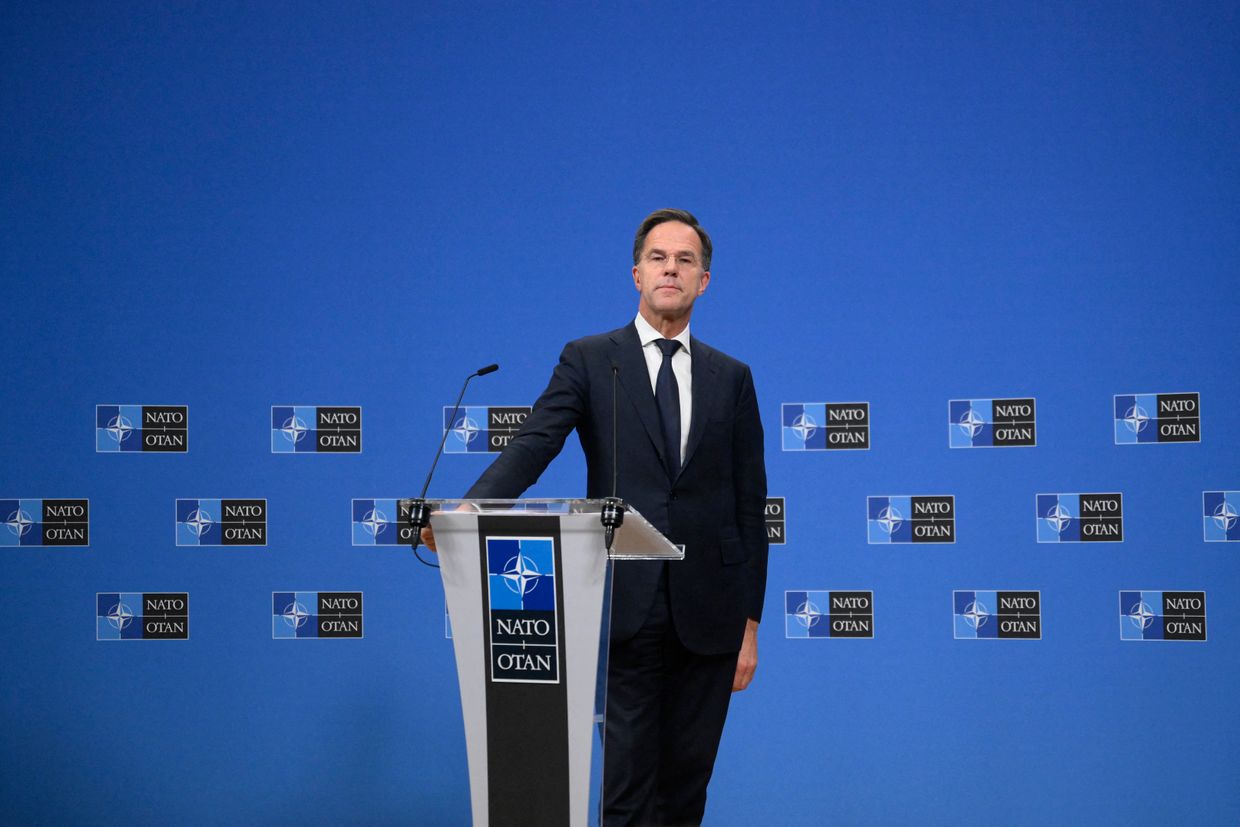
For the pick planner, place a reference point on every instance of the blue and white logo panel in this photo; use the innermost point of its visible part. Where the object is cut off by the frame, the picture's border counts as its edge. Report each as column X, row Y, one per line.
column 212, row 522
column 316, row 429
column 481, row 429
column 311, row 615
column 1162, row 615
column 141, row 428
column 825, row 426
column 381, row 522
column 1150, row 418
column 522, row 610
column 142, row 616
column 992, row 423
column 911, row 519
column 828, row 614
column 996, row 615
column 1080, row 518
column 1220, row 518
column 42, row 522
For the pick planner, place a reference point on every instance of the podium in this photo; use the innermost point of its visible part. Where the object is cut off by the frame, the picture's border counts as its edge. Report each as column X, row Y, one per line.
column 528, row 585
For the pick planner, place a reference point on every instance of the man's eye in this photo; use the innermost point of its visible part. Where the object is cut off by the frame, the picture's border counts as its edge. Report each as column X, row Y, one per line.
column 686, row 260
column 657, row 257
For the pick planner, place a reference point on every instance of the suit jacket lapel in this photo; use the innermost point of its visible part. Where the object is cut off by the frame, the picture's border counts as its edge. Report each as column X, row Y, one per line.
column 635, row 379
column 703, row 384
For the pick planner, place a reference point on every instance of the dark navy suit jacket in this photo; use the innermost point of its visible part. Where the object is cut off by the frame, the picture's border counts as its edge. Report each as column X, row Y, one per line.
column 714, row 504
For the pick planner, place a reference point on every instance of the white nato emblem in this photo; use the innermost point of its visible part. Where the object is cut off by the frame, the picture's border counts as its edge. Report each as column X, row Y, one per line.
column 1225, row 516
column 296, row 615
column 294, row 428
column 19, row 523
column 890, row 519
column 1059, row 518
column 808, row 615
column 1142, row 615
column 976, row 615
column 1136, row 419
column 120, row 428
column 971, row 423
column 804, row 426
column 466, row 430
column 520, row 574
column 199, row 522
column 120, row 616
column 374, row 521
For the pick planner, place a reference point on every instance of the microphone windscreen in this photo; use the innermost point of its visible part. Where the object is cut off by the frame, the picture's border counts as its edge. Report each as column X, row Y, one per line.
column 486, row 370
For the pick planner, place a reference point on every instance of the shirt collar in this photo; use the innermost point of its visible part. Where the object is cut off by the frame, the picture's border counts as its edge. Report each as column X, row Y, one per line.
column 648, row 334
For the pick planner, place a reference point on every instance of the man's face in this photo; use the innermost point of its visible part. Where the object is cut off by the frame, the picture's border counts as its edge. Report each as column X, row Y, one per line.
column 669, row 274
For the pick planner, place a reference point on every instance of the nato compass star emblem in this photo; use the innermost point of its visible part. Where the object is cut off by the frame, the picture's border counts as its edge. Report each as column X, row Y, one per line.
column 971, row 423
column 975, row 614
column 294, row 429
column 19, row 523
column 119, row 428
column 1225, row 516
column 1142, row 615
column 199, row 522
column 804, row 426
column 296, row 615
column 1136, row 419
column 466, row 430
column 120, row 616
column 808, row 615
column 521, row 575
column 374, row 521
column 890, row 519
column 1059, row 518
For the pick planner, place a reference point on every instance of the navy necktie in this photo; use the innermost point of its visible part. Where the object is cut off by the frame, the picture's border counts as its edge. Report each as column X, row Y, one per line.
column 667, row 398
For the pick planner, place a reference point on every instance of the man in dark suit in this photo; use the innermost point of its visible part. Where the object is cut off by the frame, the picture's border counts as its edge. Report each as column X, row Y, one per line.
column 690, row 460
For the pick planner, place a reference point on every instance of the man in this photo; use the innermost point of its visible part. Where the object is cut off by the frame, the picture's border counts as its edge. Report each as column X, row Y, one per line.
column 690, row 460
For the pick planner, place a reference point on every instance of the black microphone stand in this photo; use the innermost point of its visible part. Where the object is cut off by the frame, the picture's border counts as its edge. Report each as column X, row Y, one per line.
column 612, row 515
column 418, row 509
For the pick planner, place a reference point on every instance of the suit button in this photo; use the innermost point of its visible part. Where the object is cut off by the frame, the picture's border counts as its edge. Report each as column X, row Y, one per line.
column 673, row 496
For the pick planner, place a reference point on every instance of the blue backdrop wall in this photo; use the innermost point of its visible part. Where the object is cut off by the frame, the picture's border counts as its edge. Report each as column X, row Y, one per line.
column 238, row 206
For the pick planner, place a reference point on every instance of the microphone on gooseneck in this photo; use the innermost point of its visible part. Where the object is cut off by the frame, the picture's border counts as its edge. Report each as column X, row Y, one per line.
column 418, row 509
column 612, row 515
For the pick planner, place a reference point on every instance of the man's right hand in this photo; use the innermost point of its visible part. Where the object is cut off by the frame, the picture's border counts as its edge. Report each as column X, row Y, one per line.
column 428, row 539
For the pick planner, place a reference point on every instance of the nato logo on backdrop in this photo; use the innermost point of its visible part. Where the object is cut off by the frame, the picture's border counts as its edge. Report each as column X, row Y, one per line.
column 142, row 616
column 1149, row 615
column 205, row 522
column 478, row 429
column 825, row 426
column 136, row 428
column 828, row 614
column 911, row 519
column 299, row 615
column 311, row 429
column 33, row 522
column 1080, row 518
column 997, row 615
column 992, row 423
column 776, row 521
column 521, row 599
column 379, row 522
column 1220, row 518
column 1157, row 417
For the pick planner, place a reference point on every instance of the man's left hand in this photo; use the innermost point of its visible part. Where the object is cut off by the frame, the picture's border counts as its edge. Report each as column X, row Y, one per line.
column 747, row 660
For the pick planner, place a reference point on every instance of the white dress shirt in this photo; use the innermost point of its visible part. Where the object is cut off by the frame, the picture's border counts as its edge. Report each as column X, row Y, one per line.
column 682, row 367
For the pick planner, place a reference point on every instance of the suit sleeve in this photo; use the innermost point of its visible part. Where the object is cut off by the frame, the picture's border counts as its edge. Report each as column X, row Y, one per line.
column 555, row 414
column 749, row 475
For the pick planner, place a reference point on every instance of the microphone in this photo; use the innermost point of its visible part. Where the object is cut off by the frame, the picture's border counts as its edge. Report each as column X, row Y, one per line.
column 418, row 509
column 612, row 515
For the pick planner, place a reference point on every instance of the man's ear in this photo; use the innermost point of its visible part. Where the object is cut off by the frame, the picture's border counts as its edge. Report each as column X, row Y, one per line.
column 705, row 281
